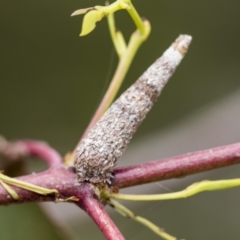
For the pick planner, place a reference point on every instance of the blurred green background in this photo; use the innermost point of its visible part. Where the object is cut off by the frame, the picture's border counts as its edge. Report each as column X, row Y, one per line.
column 51, row 81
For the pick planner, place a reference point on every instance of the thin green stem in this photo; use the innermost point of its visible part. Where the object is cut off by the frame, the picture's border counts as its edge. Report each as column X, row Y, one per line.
column 117, row 37
column 127, row 213
column 120, row 73
column 116, row 82
column 11, row 192
column 136, row 18
column 189, row 191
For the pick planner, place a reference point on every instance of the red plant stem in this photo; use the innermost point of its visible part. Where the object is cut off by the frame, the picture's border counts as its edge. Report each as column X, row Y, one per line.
column 177, row 166
column 96, row 211
column 53, row 178
column 44, row 151
column 65, row 182
column 26, row 148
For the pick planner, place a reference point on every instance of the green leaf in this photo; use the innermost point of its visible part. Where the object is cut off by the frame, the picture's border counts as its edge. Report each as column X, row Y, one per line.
column 89, row 21
column 95, row 14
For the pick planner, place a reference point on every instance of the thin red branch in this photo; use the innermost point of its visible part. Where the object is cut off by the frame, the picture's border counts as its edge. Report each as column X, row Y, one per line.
column 177, row 166
column 91, row 205
column 44, row 151
column 29, row 148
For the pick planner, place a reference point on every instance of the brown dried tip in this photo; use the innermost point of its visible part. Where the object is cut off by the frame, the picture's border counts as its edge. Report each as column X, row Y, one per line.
column 98, row 153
